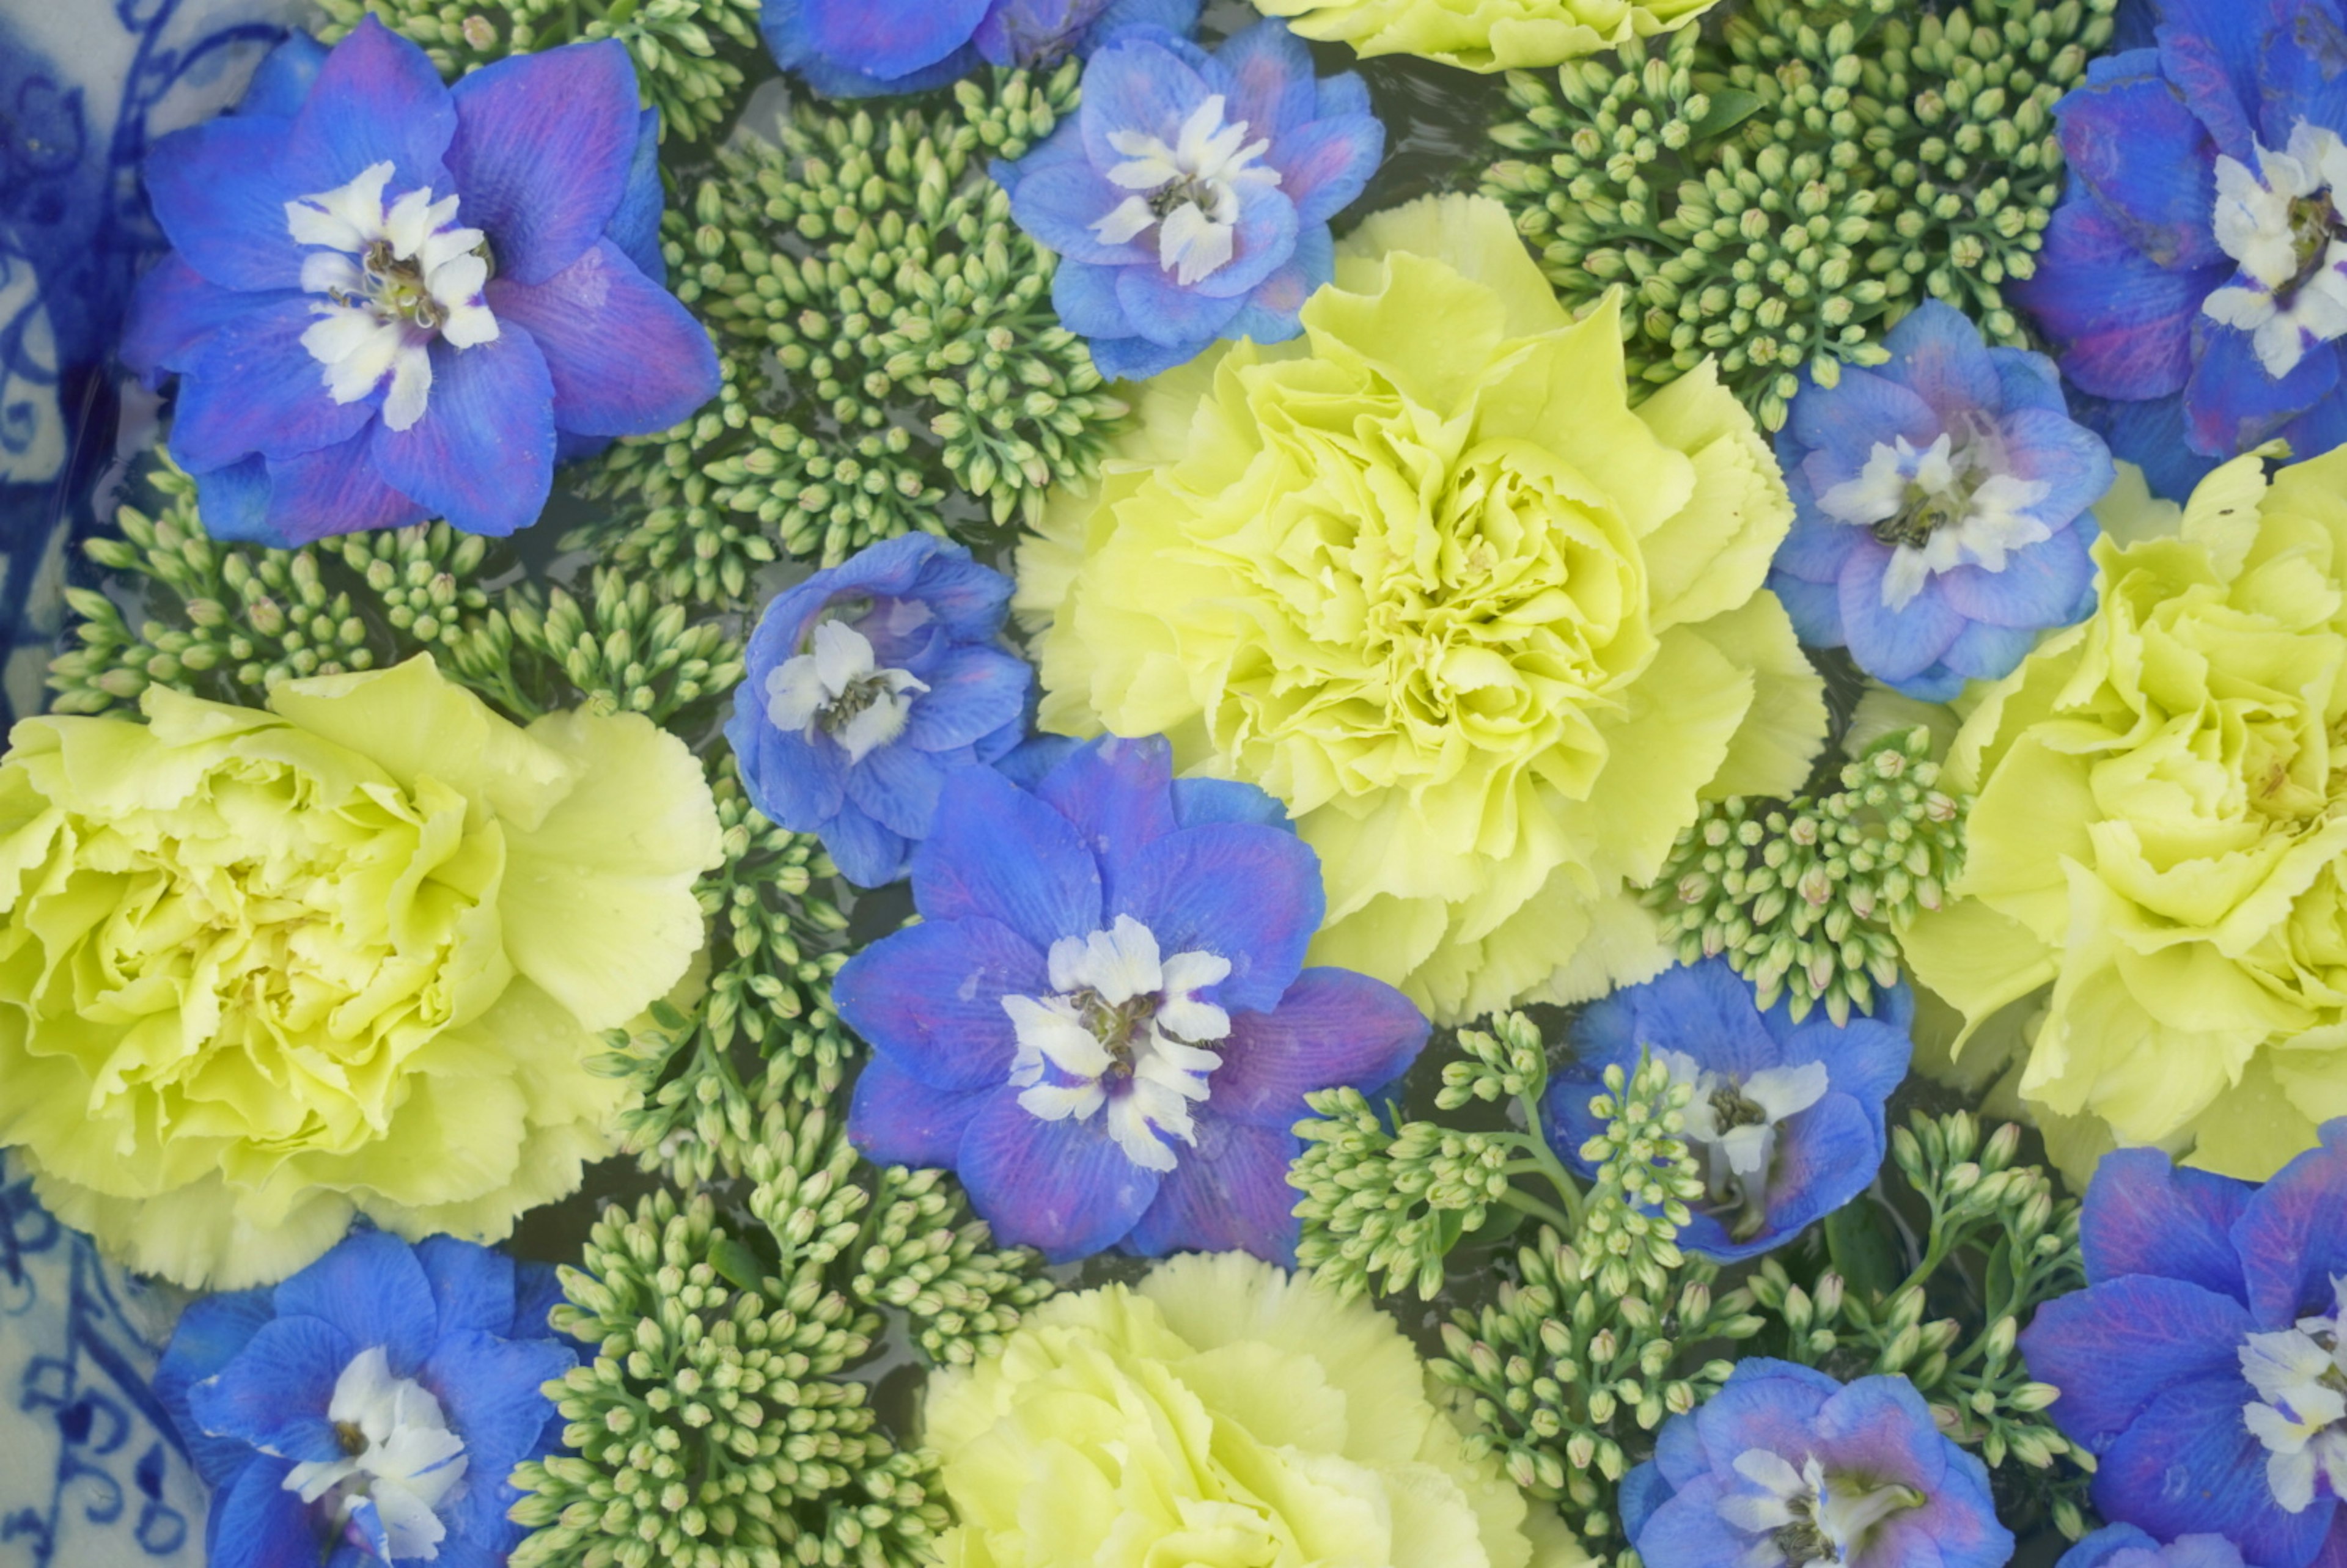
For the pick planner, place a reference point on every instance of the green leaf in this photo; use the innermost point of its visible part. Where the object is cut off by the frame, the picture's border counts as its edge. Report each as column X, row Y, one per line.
column 1731, row 106
column 736, row 1261
column 2000, row 1284
column 1864, row 1250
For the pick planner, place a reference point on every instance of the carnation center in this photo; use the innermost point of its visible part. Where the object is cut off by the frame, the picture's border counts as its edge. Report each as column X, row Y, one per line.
column 1188, row 192
column 2301, row 1414
column 1806, row 1515
column 1121, row 1032
column 399, row 1462
column 394, row 279
column 841, row 689
column 1938, row 508
column 2281, row 224
column 1732, row 1124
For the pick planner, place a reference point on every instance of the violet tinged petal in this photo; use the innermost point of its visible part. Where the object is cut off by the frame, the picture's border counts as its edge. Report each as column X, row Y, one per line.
column 1138, row 84
column 1085, row 296
column 2211, row 50
column 1064, row 1187
column 254, row 388
column 889, row 38
column 973, row 693
column 219, row 195
column 175, row 310
column 472, row 1286
column 377, row 99
column 897, row 786
column 2291, row 1234
column 1118, row 795
column 869, row 851
column 1894, row 645
column 482, row 454
column 2124, row 324
column 209, row 1333
column 997, row 853
column 1228, row 1193
column 1138, row 359
column 2304, row 73
column 2027, row 379
column 2112, row 1347
column 2190, row 1466
column 895, row 1119
column 624, row 358
column 929, row 998
column 265, row 1525
column 2038, row 587
column 2231, row 404
column 1271, row 84
column 274, row 1395
column 1937, row 354
column 544, row 146
column 2136, row 147
column 373, row 1289
column 1334, row 1028
column 1842, row 424
column 2144, row 1214
column 1979, row 652
column 1249, row 895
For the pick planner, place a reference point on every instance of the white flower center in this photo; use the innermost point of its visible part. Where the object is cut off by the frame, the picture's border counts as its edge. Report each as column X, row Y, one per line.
column 1733, row 1124
column 393, row 278
column 1190, row 191
column 2301, row 1419
column 1804, row 1515
column 400, row 1461
column 1939, row 508
column 1122, row 1031
column 2281, row 225
column 841, row 689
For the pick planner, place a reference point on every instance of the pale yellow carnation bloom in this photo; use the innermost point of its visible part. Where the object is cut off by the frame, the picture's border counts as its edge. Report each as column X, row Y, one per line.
column 263, row 971
column 1485, row 35
column 2161, row 815
column 1220, row 1414
column 1426, row 576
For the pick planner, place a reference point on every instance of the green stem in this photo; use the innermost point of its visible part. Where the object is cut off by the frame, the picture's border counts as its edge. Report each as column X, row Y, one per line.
column 1525, row 1203
column 1535, row 1142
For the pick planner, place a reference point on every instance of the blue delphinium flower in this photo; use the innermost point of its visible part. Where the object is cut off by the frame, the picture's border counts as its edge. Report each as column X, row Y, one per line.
column 1189, row 198
column 1785, row 1465
column 370, row 1407
column 2194, row 273
column 1788, row 1116
column 2124, row 1546
column 864, row 686
column 862, row 49
column 1940, row 508
column 2204, row 1365
column 1104, row 1021
column 390, row 300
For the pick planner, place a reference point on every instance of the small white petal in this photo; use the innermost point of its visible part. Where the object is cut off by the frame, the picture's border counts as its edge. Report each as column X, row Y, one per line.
column 1783, row 1092
column 874, row 725
column 1904, row 577
column 411, row 388
column 1131, row 217
column 469, row 326
column 841, row 655
column 326, row 271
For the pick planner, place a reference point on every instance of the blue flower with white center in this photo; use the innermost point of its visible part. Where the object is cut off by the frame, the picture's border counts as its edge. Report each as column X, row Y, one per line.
column 1102, row 1021
column 389, row 300
column 1189, row 197
column 864, row 686
column 2204, row 1364
column 1784, row 1467
column 1788, row 1117
column 2124, row 1546
column 369, row 1409
column 864, row 48
column 1941, row 501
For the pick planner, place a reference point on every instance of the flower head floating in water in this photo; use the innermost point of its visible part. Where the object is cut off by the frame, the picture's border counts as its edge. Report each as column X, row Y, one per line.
column 389, row 300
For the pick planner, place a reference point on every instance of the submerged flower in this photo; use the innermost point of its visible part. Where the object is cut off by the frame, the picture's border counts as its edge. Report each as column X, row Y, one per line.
column 2203, row 1366
column 1219, row 1414
column 866, row 685
column 2124, row 1546
column 2195, row 275
column 2157, row 831
column 369, row 1409
column 1102, row 1020
column 1189, row 198
column 1486, row 35
column 1489, row 632
column 1787, row 1117
column 263, row 970
column 862, row 49
column 390, row 300
column 1785, row 1466
column 1940, row 505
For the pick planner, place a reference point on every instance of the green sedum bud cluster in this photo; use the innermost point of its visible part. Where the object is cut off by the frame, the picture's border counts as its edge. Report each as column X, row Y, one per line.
column 927, row 1255
column 620, row 651
column 1382, row 1210
column 228, row 621
column 1777, row 193
column 1805, row 897
column 680, row 46
column 1647, row 1177
column 895, row 360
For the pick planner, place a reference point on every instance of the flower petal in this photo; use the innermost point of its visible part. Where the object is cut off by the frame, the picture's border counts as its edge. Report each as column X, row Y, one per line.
column 1136, row 84
column 2039, row 586
column 275, row 1393
column 377, row 99
column 889, row 38
column 215, row 190
column 1937, row 354
column 371, row 1289
column 997, row 853
column 973, row 693
column 1250, row 895
column 1270, row 82
column 2124, row 322
column 2190, row 1466
column 2231, row 404
column 929, row 998
column 1229, row 1193
column 1333, row 1028
column 175, row 310
column 2292, row 1236
column 2112, row 1347
column 490, row 1391
column 472, row 1286
column 2138, row 148
column 895, row 1119
column 334, row 490
column 624, row 357
column 213, row 1332
column 2145, row 1215
column 1119, row 795
column 1892, row 645
column 1064, row 1187
column 868, row 853
column 482, row 454
column 271, row 1527
column 254, row 388
column 543, row 149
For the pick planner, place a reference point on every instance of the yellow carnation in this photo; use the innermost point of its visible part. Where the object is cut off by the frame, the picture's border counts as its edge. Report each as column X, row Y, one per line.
column 1425, row 575
column 1221, row 1414
column 2161, row 814
column 1485, row 35
column 260, row 971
